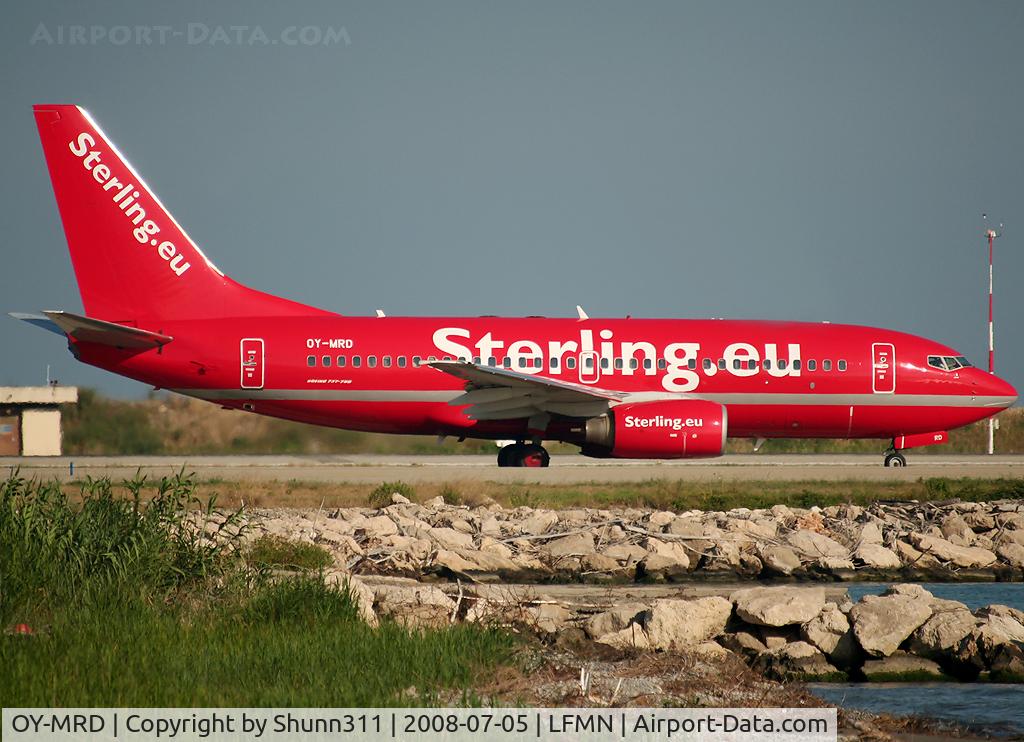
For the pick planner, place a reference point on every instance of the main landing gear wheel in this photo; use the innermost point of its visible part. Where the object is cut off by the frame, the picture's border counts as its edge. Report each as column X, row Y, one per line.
column 895, row 458
column 521, row 454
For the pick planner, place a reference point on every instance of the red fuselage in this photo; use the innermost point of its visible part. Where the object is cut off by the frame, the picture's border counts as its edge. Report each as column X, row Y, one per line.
column 776, row 379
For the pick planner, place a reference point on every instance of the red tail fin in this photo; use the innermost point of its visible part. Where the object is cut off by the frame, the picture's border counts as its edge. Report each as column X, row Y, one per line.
column 133, row 261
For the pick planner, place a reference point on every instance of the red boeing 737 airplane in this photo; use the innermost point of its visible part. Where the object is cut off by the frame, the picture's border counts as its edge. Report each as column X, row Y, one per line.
column 159, row 311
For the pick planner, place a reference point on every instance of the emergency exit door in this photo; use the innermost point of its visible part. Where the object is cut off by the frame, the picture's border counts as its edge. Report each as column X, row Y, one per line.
column 883, row 368
column 252, row 358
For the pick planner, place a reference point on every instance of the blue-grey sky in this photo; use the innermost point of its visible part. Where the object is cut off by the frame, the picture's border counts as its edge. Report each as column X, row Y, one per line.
column 789, row 160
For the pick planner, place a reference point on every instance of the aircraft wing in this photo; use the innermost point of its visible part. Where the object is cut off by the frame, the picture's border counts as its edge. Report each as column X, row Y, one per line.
column 89, row 330
column 501, row 394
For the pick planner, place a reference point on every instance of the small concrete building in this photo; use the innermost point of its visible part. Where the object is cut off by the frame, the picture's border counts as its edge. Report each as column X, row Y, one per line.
column 30, row 419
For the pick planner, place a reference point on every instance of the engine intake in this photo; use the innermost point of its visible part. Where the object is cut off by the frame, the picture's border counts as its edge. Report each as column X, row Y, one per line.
column 672, row 429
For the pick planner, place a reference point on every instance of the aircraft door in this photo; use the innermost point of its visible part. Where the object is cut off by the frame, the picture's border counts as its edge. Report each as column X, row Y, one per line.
column 883, row 368
column 252, row 358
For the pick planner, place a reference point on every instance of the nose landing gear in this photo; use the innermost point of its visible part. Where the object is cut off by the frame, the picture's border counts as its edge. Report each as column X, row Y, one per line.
column 524, row 454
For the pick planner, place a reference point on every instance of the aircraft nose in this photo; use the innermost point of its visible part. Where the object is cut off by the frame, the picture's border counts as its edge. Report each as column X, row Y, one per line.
column 1000, row 393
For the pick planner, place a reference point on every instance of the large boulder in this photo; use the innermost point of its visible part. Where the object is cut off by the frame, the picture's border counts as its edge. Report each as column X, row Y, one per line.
column 1001, row 623
column 830, row 632
column 414, row 605
column 779, row 559
column 377, row 527
column 449, row 538
column 539, row 522
column 577, row 544
column 1012, row 554
column 796, row 660
column 961, row 556
column 778, row 606
column 955, row 530
column 816, row 545
column 678, row 624
column 900, row 666
column 882, row 622
column 629, row 637
column 611, row 621
column 742, row 643
column 941, row 634
column 877, row 556
column 626, row 554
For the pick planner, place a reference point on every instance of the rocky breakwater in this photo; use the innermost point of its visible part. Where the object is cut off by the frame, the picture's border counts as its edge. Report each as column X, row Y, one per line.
column 794, row 632
column 883, row 542
column 784, row 632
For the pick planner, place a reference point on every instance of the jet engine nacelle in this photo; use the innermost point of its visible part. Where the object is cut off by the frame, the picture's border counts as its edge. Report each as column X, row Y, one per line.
column 671, row 429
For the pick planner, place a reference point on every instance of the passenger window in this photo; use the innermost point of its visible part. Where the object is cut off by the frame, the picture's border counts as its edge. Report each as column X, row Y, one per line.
column 737, row 364
column 506, row 362
column 554, row 362
column 841, row 365
column 341, row 361
column 310, row 360
column 326, row 360
column 721, row 364
column 691, row 364
column 618, row 363
column 648, row 364
column 812, row 365
column 570, row 363
column 416, row 361
column 826, row 365
column 522, row 361
column 767, row 363
column 476, row 360
column 782, row 364
column 371, row 361
column 401, row 361
column 589, row 363
column 538, row 362
column 604, row 363
column 431, row 359
column 662, row 364
column 634, row 363
column 796, row 364
column 707, row 364
column 387, row 361
column 491, row 361
column 357, row 361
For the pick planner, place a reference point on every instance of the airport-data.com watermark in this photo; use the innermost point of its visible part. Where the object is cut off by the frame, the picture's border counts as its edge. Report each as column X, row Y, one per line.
column 188, row 34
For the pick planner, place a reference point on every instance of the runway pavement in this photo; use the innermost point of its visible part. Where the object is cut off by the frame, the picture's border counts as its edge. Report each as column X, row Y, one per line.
column 563, row 469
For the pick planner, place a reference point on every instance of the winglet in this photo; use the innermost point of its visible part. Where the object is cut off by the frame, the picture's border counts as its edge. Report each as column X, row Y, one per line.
column 583, row 315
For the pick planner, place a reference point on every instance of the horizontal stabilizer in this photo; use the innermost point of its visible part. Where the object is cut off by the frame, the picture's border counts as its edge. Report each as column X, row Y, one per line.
column 89, row 330
column 39, row 320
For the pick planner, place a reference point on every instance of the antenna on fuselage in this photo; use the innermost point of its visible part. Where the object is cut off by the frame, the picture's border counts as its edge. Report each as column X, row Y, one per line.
column 582, row 315
column 380, row 313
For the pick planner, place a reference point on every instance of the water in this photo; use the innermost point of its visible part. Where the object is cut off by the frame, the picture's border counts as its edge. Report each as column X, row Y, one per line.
column 972, row 594
column 983, row 707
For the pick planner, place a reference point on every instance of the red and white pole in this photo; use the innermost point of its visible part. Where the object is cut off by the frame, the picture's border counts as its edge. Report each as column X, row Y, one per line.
column 991, row 234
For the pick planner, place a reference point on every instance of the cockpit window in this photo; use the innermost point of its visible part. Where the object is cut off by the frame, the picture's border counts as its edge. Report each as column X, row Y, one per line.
column 948, row 363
